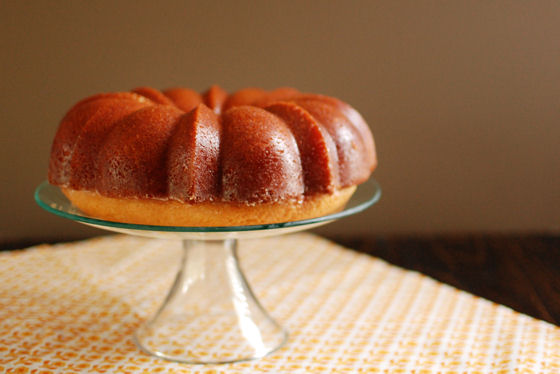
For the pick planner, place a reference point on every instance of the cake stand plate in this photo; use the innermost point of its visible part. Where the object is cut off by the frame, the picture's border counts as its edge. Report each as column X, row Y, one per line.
column 210, row 314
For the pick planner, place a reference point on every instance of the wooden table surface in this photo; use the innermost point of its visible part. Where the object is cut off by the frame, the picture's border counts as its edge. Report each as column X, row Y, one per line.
column 520, row 271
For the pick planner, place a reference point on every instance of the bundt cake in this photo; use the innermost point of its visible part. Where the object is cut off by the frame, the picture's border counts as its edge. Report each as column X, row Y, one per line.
column 177, row 157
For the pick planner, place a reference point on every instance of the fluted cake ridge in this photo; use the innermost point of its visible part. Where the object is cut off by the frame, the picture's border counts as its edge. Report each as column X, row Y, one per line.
column 252, row 146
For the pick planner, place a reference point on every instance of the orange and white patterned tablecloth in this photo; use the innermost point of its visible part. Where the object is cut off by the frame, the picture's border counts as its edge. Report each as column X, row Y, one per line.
column 72, row 308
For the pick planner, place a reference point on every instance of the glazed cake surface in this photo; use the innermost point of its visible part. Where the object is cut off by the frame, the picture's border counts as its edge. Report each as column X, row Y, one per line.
column 250, row 147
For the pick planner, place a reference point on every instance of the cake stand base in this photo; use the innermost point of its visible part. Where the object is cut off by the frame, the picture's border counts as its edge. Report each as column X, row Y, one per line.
column 210, row 315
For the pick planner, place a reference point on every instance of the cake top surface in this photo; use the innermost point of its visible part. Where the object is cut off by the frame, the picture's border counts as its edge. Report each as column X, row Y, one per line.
column 250, row 146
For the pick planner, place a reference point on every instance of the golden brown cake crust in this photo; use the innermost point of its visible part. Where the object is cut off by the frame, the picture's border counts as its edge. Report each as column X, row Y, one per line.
column 175, row 213
column 182, row 158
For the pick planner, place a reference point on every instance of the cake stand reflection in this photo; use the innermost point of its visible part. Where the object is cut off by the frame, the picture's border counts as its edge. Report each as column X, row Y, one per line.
column 210, row 314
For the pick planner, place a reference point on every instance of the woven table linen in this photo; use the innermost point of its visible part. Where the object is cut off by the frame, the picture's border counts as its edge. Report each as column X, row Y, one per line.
column 72, row 308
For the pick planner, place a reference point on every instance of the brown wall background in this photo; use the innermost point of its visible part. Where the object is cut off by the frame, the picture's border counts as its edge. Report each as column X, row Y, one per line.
column 462, row 96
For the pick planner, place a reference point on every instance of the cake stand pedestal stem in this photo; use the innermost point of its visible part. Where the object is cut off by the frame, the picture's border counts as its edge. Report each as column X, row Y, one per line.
column 210, row 314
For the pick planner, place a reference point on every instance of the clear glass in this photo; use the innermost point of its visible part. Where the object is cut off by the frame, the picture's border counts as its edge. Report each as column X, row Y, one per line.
column 210, row 314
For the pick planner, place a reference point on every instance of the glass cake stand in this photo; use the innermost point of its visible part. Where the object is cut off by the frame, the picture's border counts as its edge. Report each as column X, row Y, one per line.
column 210, row 314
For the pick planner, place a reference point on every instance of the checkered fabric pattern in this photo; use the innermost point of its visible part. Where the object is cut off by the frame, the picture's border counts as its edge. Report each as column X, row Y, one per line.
column 72, row 308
